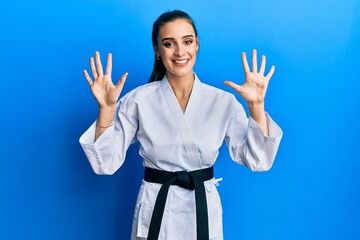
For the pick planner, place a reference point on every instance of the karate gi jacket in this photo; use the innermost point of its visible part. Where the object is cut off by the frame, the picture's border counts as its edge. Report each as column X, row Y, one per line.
column 173, row 140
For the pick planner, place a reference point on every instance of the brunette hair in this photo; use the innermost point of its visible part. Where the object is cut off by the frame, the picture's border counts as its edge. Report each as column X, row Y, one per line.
column 159, row 69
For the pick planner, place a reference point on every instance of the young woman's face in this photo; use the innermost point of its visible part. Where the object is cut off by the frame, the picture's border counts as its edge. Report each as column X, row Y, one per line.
column 177, row 46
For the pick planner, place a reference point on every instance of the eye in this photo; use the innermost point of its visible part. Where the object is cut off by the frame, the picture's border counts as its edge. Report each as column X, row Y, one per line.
column 168, row 44
column 189, row 41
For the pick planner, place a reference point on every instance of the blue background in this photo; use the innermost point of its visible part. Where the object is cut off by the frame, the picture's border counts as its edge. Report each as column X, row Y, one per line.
column 49, row 191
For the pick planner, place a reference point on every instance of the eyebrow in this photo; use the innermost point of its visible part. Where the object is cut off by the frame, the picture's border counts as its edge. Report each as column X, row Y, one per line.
column 169, row 38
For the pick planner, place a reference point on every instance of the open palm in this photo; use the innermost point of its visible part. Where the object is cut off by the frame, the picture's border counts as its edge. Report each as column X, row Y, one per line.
column 103, row 89
column 253, row 90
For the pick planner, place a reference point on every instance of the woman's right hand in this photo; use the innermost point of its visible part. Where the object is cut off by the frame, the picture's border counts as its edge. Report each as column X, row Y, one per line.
column 102, row 87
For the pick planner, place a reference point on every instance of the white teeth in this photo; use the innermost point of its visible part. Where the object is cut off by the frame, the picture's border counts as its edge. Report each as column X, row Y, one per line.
column 181, row 61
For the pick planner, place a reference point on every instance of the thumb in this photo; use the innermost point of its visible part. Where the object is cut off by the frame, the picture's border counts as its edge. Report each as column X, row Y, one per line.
column 236, row 87
column 121, row 81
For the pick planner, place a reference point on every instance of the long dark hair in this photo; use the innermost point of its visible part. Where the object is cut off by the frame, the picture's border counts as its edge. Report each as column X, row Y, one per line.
column 159, row 69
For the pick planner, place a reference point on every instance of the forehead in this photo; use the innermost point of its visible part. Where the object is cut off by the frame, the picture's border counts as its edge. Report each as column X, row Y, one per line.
column 176, row 29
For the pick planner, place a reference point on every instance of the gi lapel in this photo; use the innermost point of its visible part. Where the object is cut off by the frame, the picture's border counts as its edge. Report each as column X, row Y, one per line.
column 180, row 121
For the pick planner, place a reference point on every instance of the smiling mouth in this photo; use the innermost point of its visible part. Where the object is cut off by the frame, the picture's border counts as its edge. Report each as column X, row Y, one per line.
column 181, row 61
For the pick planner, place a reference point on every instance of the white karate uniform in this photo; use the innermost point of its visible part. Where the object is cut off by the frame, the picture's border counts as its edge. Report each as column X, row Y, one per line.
column 171, row 140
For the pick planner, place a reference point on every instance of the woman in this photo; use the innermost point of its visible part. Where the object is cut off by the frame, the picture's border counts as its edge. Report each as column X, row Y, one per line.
column 180, row 124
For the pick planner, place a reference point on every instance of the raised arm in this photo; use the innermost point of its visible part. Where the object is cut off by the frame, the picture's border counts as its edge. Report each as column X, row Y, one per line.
column 104, row 91
column 253, row 90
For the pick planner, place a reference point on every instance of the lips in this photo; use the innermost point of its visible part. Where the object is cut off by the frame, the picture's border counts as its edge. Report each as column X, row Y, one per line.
column 181, row 61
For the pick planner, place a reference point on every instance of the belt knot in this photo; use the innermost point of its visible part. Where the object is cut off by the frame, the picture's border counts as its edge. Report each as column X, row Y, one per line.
column 184, row 180
column 193, row 180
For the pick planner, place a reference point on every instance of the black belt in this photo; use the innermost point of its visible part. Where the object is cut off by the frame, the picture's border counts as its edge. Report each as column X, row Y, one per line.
column 189, row 180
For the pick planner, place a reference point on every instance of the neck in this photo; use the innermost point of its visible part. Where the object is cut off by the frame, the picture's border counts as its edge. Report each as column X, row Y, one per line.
column 182, row 86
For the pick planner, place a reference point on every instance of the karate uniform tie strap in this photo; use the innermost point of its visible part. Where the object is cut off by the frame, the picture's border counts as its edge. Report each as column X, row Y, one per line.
column 193, row 180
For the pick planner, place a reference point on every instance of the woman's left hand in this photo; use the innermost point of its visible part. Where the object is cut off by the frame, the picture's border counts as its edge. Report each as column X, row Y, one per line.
column 256, row 83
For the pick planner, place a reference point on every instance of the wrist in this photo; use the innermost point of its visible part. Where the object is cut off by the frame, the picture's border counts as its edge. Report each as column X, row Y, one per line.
column 256, row 106
column 256, row 110
column 108, row 109
column 104, row 127
column 106, row 116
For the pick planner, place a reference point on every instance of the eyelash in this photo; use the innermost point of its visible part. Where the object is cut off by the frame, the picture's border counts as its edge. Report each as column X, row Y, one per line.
column 188, row 42
column 170, row 44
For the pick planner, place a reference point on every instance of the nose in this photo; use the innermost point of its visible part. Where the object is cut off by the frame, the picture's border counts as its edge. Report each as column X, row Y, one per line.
column 180, row 50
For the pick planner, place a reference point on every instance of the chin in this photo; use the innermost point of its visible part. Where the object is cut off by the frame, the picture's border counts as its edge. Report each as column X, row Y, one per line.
column 180, row 74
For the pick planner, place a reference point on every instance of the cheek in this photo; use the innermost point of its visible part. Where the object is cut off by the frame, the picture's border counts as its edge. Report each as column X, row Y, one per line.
column 165, row 53
column 193, row 49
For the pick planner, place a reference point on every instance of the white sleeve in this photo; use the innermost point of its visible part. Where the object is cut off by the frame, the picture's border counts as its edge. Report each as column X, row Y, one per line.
column 107, row 153
column 248, row 144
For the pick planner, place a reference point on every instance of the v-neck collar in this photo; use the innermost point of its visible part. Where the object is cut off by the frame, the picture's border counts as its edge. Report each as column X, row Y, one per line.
column 181, row 119
column 193, row 98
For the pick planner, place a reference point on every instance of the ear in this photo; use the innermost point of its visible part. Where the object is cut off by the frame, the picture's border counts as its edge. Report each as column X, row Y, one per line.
column 156, row 50
column 197, row 44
